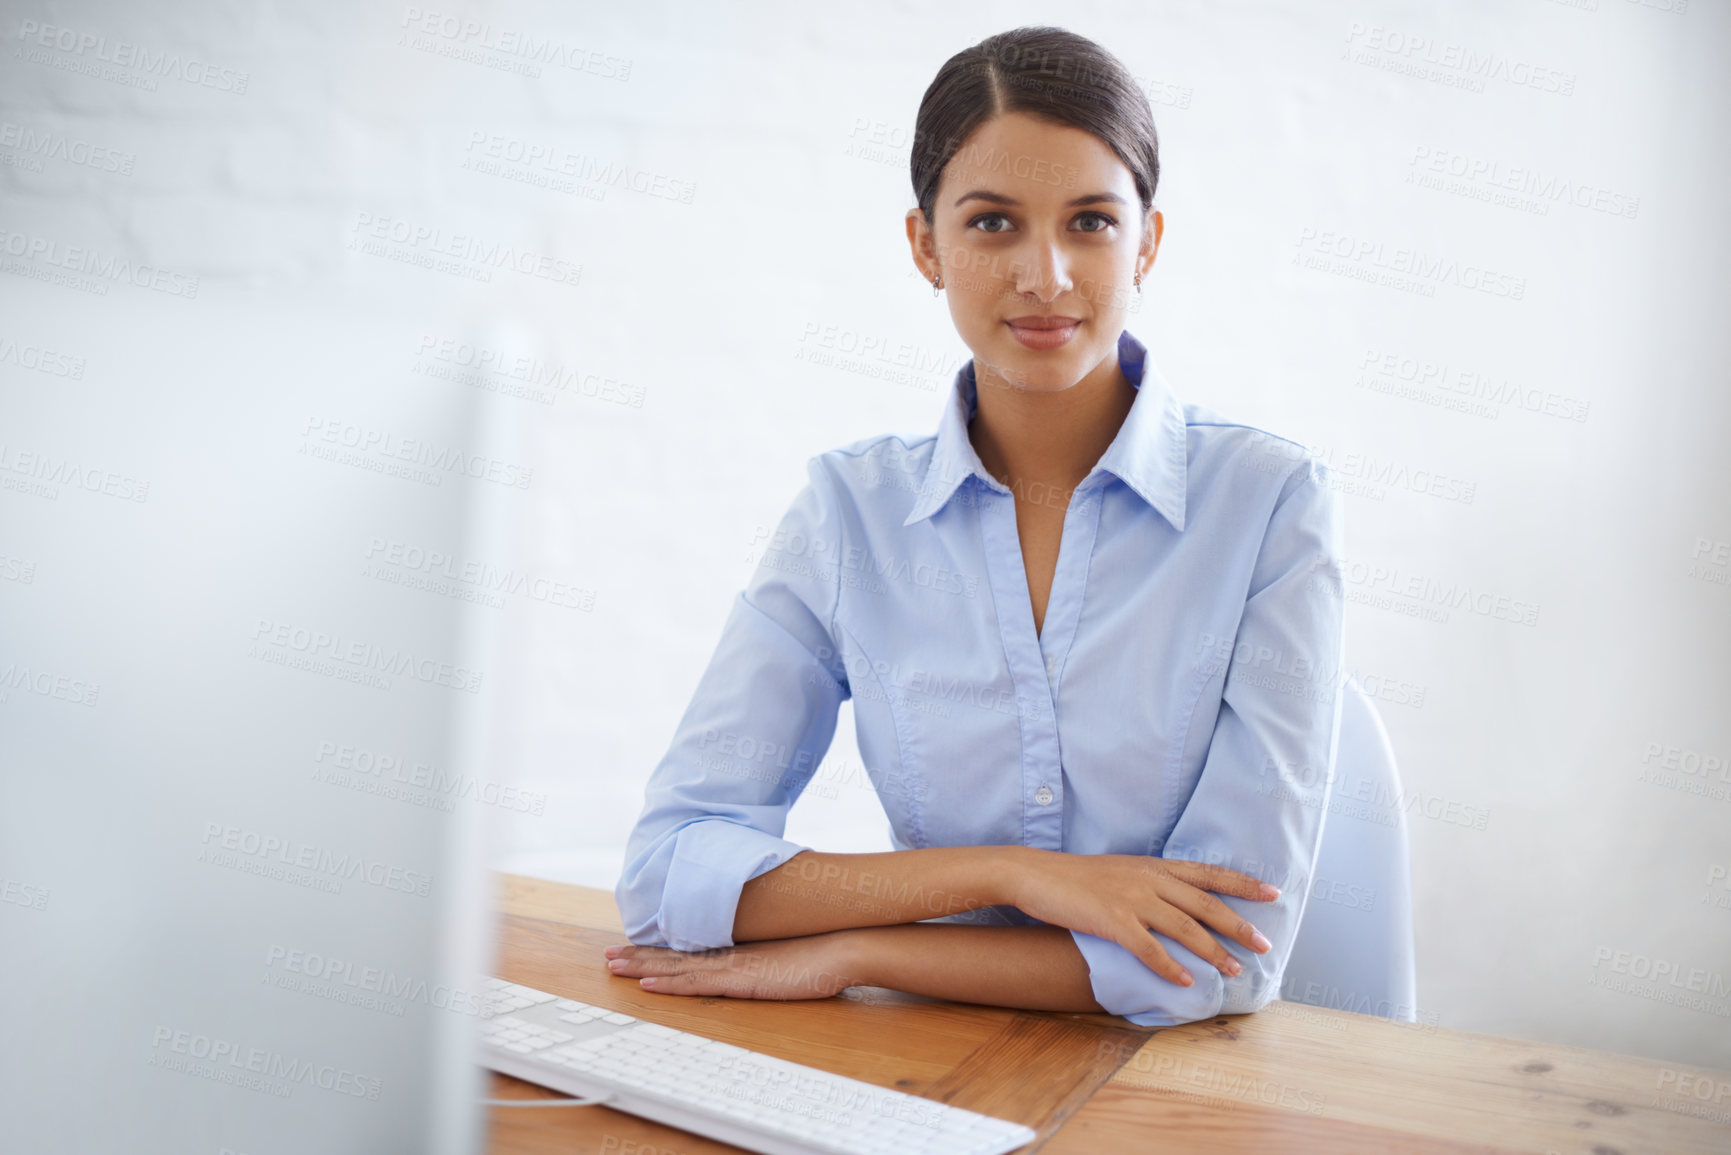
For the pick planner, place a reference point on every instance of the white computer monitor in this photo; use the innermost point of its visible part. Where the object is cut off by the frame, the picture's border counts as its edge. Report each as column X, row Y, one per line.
column 240, row 716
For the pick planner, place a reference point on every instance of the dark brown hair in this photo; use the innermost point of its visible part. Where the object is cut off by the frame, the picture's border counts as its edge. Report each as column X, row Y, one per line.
column 1043, row 71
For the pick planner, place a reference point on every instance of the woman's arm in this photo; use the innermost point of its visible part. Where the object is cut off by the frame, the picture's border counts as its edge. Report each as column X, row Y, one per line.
column 1028, row 967
column 1032, row 968
column 1112, row 896
column 815, row 891
column 1258, row 804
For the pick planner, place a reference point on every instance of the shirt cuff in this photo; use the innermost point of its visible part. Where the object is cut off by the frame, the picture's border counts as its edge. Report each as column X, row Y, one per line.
column 712, row 861
column 1123, row 984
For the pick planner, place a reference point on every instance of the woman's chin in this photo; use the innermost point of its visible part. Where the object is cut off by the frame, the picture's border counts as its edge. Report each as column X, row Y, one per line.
column 1036, row 371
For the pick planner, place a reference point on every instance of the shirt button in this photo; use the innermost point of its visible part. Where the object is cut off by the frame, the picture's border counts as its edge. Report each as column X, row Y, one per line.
column 1043, row 796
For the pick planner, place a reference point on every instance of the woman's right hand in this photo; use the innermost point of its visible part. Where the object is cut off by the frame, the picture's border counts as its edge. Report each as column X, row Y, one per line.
column 1120, row 897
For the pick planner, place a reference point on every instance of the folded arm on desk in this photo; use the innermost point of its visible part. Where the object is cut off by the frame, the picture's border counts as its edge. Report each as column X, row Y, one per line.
column 760, row 721
column 1249, row 810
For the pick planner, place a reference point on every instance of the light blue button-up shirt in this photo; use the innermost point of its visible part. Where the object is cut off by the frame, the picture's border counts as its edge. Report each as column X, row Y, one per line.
column 1180, row 699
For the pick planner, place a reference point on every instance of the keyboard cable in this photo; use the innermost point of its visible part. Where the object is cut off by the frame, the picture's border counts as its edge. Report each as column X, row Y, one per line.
column 548, row 1102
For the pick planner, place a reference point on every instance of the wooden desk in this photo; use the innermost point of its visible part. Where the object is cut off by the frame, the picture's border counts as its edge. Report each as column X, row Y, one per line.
column 1289, row 1078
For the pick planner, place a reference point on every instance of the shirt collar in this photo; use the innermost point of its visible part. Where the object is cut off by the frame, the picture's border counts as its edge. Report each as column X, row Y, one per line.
column 1149, row 454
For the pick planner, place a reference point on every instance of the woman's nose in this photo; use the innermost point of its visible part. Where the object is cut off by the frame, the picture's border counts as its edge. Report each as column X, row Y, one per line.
column 1042, row 272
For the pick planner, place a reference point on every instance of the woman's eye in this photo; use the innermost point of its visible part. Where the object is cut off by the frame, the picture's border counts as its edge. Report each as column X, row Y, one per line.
column 999, row 223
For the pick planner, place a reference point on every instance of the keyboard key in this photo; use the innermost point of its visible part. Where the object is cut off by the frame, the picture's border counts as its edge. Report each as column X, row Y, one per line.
column 716, row 1047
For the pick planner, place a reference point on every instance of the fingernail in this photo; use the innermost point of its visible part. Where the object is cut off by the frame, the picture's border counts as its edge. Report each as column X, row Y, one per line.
column 1260, row 942
column 1270, row 892
column 613, row 951
column 649, row 982
column 1185, row 979
column 617, row 964
column 1232, row 968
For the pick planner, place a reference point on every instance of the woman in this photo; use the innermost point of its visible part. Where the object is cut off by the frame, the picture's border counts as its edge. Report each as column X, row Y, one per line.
column 1082, row 627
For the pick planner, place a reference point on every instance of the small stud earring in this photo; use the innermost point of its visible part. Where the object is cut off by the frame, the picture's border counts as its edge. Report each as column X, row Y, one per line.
column 1138, row 282
column 936, row 285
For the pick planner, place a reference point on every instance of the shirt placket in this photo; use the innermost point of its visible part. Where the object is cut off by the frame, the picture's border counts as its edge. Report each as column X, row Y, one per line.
column 1036, row 659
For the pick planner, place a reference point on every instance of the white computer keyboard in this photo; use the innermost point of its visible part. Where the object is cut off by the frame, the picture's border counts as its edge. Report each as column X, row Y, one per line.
column 719, row 1090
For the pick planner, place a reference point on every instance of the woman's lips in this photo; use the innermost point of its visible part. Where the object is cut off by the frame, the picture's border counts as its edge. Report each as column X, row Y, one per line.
column 1043, row 332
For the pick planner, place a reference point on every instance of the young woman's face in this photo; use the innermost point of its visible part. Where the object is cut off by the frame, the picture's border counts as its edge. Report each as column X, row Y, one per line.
column 1038, row 235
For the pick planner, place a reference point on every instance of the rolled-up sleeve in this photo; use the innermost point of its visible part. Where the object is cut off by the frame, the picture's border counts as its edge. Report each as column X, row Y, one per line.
column 1259, row 803
column 761, row 719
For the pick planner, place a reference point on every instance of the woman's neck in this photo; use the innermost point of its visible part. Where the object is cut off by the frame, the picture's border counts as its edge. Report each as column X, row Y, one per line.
column 1050, row 438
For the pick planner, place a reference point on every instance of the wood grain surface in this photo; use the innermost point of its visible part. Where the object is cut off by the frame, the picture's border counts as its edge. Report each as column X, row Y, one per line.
column 1288, row 1078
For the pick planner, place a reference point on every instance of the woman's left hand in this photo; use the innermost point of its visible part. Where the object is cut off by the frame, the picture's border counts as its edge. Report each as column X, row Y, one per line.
column 810, row 967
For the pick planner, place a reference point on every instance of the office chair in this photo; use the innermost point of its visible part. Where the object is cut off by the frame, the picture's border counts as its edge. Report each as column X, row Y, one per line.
column 1354, row 949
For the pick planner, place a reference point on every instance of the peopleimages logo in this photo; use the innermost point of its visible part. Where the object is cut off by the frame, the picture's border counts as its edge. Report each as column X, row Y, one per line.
column 514, row 45
column 51, row 471
column 41, row 359
column 23, row 894
column 51, row 145
column 423, row 244
column 388, row 446
column 782, row 546
column 1367, row 259
column 1369, row 580
column 532, row 377
column 546, row 159
column 1423, row 56
column 155, row 64
column 227, row 845
column 17, row 676
column 1461, row 389
column 483, row 576
column 1697, row 980
column 1490, row 176
column 285, row 643
column 51, row 254
column 224, row 1061
column 413, row 781
column 345, row 978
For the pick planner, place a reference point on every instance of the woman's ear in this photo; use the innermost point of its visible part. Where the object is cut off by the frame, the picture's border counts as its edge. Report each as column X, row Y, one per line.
column 922, row 244
column 1153, row 225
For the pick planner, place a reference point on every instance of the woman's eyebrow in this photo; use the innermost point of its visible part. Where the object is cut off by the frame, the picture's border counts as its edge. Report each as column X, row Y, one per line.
column 1001, row 199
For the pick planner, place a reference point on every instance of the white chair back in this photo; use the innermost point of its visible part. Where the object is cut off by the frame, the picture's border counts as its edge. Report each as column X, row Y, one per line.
column 1354, row 949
